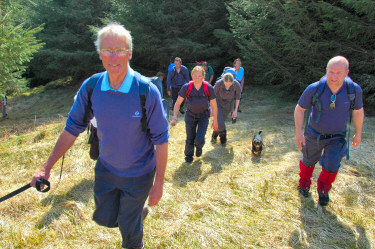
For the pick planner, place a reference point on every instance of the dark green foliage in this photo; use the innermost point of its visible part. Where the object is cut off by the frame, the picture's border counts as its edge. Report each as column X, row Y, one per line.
column 192, row 30
column 288, row 43
column 69, row 49
column 17, row 45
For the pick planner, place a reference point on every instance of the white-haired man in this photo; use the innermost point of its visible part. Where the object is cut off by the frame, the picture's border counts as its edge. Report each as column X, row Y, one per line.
column 125, row 171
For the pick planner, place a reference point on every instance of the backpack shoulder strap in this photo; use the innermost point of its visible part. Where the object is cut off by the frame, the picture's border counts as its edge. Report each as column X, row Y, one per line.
column 143, row 93
column 90, row 88
column 315, row 100
column 206, row 91
column 351, row 91
column 190, row 88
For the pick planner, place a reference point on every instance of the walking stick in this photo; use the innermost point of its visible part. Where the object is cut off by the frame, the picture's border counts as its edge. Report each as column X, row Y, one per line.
column 39, row 186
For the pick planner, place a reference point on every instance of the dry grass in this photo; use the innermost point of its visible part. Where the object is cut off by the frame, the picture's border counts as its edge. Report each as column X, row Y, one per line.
column 226, row 199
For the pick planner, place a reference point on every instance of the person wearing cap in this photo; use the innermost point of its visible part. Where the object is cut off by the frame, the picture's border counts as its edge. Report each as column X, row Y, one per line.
column 158, row 82
column 227, row 90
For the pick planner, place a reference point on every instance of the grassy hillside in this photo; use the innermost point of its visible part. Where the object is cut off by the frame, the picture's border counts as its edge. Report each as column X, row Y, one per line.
column 225, row 199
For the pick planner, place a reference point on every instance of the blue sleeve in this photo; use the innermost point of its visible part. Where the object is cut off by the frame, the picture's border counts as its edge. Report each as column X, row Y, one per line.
column 187, row 77
column 169, row 79
column 358, row 103
column 211, row 91
column 75, row 124
column 306, row 97
column 156, row 121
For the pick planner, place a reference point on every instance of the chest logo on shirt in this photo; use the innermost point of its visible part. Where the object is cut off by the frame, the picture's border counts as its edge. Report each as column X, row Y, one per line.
column 136, row 115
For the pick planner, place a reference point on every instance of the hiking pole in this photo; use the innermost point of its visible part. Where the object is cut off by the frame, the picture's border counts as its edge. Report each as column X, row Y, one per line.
column 38, row 186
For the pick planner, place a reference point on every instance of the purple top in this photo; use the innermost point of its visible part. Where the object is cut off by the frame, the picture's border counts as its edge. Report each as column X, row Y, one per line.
column 124, row 149
column 197, row 103
column 331, row 121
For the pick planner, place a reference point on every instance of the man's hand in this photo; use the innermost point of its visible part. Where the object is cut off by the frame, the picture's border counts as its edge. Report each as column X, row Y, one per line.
column 300, row 140
column 234, row 114
column 155, row 194
column 356, row 140
column 214, row 125
column 42, row 173
column 173, row 121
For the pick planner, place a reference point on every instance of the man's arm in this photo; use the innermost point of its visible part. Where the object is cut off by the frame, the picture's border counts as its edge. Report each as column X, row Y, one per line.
column 65, row 141
column 211, row 78
column 299, row 116
column 169, row 76
column 358, row 117
column 156, row 191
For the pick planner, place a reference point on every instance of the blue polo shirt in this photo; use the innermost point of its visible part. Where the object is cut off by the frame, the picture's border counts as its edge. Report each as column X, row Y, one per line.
column 332, row 121
column 124, row 149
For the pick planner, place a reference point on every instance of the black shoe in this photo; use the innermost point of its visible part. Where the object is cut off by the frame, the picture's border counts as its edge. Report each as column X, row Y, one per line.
column 182, row 111
column 144, row 213
column 188, row 159
column 323, row 199
column 198, row 152
column 304, row 192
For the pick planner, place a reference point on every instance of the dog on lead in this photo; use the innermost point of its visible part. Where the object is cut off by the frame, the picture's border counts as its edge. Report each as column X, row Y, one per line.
column 257, row 144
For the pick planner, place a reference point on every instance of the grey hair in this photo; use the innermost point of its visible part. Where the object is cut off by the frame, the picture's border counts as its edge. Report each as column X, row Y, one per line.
column 340, row 59
column 116, row 30
column 228, row 77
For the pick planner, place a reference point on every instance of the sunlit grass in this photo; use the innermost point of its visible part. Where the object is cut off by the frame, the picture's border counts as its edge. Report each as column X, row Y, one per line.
column 225, row 199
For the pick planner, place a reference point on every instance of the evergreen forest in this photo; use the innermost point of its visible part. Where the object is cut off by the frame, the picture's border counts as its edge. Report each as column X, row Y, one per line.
column 282, row 43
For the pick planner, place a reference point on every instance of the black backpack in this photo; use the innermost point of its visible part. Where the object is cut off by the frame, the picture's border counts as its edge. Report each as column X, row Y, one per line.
column 93, row 138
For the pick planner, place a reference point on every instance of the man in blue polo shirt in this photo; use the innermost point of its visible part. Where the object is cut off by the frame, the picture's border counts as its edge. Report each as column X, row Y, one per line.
column 125, row 173
column 326, row 130
column 177, row 77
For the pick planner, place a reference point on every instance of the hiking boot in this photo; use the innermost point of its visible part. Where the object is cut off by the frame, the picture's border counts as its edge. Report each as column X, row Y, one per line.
column 198, row 152
column 188, row 159
column 323, row 199
column 304, row 192
column 144, row 213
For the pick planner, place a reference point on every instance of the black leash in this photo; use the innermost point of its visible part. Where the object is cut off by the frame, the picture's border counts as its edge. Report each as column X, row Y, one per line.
column 40, row 183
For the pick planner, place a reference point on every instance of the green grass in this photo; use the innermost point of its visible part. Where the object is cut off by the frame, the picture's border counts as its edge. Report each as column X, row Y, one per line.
column 225, row 199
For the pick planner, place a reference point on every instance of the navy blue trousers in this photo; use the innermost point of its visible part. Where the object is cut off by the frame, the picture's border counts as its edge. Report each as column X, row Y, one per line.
column 196, row 128
column 328, row 151
column 119, row 202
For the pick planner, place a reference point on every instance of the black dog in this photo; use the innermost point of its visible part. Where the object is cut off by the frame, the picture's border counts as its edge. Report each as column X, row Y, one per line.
column 257, row 143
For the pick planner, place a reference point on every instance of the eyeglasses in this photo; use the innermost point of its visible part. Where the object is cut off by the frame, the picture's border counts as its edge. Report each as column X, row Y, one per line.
column 118, row 52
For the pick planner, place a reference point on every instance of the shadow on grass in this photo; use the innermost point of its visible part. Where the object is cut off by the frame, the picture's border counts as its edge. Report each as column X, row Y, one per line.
column 80, row 193
column 188, row 172
column 219, row 156
column 322, row 229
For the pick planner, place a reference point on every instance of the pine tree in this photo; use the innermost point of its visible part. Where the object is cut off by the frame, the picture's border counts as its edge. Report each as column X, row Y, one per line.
column 17, row 46
column 69, row 49
column 161, row 29
column 288, row 43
